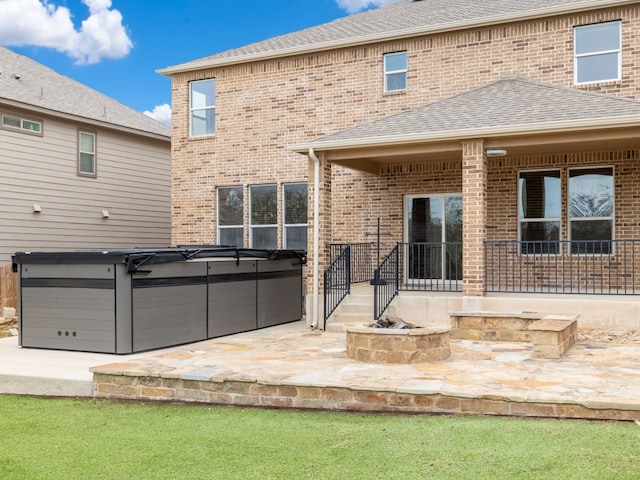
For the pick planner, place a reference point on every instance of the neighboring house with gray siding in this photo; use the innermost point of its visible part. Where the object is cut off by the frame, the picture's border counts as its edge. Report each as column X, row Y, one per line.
column 79, row 170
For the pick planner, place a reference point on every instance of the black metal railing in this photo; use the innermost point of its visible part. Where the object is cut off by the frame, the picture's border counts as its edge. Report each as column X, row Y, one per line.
column 386, row 282
column 563, row 267
column 361, row 259
column 337, row 281
column 431, row 266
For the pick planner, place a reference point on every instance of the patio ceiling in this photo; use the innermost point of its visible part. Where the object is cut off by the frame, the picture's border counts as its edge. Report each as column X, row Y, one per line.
column 515, row 113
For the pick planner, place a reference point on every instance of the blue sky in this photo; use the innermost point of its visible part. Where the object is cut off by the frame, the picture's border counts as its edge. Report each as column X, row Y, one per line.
column 116, row 46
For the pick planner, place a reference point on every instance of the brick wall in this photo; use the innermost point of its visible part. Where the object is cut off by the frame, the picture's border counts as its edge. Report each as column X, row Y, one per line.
column 264, row 106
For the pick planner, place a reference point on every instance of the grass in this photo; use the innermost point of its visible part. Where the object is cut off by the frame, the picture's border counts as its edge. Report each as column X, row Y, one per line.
column 94, row 439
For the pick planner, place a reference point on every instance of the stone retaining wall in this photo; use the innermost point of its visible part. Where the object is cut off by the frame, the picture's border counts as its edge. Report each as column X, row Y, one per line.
column 252, row 393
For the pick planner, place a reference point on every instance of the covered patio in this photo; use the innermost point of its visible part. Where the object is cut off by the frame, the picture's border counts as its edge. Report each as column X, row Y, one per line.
column 540, row 178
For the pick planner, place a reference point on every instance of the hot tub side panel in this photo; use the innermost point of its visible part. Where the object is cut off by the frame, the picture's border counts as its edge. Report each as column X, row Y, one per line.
column 169, row 305
column 232, row 297
column 68, row 307
column 279, row 292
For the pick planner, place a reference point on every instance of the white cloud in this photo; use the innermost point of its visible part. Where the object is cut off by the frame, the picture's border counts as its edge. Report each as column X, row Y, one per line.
column 41, row 23
column 353, row 6
column 162, row 113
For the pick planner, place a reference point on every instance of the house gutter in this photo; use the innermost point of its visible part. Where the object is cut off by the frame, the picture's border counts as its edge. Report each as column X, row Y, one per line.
column 580, row 7
column 316, row 238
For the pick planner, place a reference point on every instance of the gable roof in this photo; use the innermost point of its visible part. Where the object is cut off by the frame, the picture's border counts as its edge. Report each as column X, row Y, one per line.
column 28, row 84
column 509, row 106
column 401, row 20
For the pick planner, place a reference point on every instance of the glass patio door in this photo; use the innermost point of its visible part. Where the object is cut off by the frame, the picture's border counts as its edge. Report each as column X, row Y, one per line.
column 433, row 234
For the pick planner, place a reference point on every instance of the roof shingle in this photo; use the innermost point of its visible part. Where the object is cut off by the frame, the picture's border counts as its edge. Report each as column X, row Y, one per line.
column 40, row 87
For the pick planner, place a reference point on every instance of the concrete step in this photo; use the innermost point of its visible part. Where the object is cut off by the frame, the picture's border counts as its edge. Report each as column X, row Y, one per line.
column 355, row 309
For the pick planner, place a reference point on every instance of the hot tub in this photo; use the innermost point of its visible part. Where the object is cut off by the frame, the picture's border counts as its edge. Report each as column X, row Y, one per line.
column 127, row 301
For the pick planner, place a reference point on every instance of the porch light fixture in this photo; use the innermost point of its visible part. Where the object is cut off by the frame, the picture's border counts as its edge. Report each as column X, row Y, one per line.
column 496, row 152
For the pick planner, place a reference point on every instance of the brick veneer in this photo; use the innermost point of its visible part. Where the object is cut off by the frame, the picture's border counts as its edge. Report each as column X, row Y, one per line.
column 264, row 106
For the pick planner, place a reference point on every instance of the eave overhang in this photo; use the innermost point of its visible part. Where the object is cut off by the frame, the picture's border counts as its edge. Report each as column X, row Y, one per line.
column 369, row 154
column 580, row 7
column 85, row 120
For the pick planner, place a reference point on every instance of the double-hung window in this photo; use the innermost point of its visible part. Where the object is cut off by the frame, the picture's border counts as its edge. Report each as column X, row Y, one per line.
column 86, row 153
column 263, row 230
column 295, row 216
column 202, row 107
column 539, row 211
column 597, row 51
column 231, row 216
column 395, row 71
column 591, row 211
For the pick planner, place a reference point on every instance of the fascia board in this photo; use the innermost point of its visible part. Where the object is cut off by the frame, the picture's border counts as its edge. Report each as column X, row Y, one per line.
column 395, row 35
column 465, row 134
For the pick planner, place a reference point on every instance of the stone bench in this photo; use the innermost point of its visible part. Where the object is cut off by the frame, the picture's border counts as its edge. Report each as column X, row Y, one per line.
column 551, row 335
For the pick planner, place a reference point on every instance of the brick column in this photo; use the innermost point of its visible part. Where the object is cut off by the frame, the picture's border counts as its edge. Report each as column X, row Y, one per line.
column 474, row 205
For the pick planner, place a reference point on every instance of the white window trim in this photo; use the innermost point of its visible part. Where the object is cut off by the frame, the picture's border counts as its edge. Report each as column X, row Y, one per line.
column 284, row 213
column 21, row 128
column 612, row 218
column 94, row 153
column 223, row 227
column 251, row 225
column 387, row 73
column 191, row 109
column 577, row 56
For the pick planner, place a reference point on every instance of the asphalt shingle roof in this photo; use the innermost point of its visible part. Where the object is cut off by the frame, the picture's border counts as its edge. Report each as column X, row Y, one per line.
column 40, row 87
column 400, row 18
column 505, row 104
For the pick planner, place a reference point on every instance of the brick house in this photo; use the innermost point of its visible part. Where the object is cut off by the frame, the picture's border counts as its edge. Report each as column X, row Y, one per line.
column 493, row 146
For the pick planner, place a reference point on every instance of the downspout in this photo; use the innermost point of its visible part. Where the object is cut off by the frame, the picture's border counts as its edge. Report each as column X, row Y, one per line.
column 316, row 238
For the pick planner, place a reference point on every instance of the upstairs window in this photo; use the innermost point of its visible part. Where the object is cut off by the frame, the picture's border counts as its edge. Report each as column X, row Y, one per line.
column 295, row 216
column 27, row 126
column 598, row 53
column 539, row 211
column 87, row 153
column 263, row 231
column 231, row 216
column 395, row 71
column 202, row 108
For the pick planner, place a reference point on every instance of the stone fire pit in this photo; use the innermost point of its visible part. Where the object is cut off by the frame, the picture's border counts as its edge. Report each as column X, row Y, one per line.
column 400, row 342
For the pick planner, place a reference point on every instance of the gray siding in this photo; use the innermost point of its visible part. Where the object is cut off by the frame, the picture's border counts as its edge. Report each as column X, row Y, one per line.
column 132, row 184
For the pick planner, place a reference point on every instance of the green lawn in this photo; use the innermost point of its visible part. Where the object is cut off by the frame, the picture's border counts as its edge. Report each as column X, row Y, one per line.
column 89, row 439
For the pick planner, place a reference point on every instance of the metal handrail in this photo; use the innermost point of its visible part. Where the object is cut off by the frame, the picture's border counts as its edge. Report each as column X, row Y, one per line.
column 386, row 282
column 337, row 282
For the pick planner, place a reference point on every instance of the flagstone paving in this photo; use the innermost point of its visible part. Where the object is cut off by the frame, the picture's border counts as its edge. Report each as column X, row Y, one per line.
column 291, row 366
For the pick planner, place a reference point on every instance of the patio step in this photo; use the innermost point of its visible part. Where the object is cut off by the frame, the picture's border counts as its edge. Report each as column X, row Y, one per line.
column 356, row 308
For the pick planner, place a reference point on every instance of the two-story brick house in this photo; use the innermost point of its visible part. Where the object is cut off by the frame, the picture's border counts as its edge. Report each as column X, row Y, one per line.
column 495, row 142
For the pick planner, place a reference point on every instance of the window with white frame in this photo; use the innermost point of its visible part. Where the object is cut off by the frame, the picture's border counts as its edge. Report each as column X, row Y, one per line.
column 539, row 211
column 263, row 228
column 87, row 153
column 23, row 124
column 395, row 71
column 295, row 216
column 202, row 107
column 597, row 51
column 231, row 216
column 591, row 210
